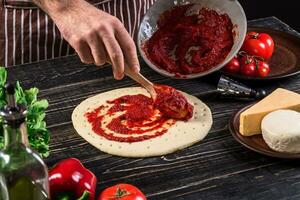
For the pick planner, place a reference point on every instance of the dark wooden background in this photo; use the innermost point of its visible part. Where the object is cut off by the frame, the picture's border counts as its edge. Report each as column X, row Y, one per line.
column 216, row 168
column 287, row 10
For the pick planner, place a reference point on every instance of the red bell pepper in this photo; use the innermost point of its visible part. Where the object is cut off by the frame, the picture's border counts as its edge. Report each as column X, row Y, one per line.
column 69, row 179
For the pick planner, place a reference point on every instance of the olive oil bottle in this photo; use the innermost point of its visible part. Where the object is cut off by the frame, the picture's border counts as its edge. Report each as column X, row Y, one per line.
column 23, row 174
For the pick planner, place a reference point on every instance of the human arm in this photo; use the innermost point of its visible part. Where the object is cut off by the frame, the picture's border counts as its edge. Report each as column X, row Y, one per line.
column 96, row 36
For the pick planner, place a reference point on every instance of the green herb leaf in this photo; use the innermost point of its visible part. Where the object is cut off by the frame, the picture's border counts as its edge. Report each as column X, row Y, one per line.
column 20, row 95
column 31, row 95
column 38, row 135
column 3, row 76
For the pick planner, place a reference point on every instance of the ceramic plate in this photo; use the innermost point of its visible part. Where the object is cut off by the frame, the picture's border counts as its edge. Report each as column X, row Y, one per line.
column 285, row 61
column 256, row 142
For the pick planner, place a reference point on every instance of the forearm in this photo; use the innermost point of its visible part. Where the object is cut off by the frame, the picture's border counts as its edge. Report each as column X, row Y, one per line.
column 96, row 36
column 54, row 7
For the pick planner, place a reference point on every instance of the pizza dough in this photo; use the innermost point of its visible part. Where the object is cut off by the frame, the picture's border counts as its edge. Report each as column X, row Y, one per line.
column 182, row 134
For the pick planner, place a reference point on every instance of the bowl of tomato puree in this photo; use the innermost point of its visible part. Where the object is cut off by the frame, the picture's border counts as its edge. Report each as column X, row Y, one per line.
column 191, row 38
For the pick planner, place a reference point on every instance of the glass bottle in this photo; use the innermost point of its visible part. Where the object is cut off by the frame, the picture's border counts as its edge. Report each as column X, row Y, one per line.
column 23, row 174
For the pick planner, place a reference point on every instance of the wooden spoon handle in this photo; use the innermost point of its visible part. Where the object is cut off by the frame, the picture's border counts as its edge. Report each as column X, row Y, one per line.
column 141, row 80
column 137, row 76
column 148, row 85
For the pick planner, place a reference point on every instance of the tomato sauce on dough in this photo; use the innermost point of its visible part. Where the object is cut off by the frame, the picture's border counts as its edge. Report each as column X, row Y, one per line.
column 134, row 119
column 172, row 103
column 186, row 44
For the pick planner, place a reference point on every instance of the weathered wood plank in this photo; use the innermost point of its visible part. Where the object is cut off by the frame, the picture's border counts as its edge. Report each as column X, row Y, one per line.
column 216, row 168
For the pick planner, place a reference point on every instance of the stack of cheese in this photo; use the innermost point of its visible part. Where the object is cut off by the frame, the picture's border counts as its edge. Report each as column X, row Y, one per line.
column 277, row 118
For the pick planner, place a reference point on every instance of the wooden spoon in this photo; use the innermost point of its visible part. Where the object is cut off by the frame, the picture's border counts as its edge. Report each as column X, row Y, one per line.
column 183, row 113
column 136, row 76
column 148, row 85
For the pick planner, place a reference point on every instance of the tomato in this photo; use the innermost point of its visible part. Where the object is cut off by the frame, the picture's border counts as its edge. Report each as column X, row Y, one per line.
column 267, row 39
column 249, row 70
column 250, row 35
column 122, row 191
column 245, row 60
column 233, row 66
column 259, row 44
column 263, row 69
column 248, row 66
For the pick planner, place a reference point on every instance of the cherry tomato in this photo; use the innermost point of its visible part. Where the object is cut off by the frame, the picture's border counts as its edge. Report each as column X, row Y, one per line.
column 248, row 66
column 122, row 191
column 250, row 35
column 245, row 60
column 259, row 44
column 233, row 66
column 263, row 69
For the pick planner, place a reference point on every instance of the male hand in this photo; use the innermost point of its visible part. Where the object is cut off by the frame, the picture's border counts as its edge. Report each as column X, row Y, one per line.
column 96, row 36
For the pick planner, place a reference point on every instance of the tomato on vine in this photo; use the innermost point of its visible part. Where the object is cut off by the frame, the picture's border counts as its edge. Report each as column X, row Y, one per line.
column 248, row 66
column 263, row 69
column 258, row 44
column 233, row 66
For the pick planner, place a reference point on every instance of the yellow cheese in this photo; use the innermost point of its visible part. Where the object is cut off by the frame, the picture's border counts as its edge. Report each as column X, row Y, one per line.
column 250, row 119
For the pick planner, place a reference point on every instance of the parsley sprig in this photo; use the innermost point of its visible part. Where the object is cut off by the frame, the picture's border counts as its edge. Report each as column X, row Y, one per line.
column 38, row 135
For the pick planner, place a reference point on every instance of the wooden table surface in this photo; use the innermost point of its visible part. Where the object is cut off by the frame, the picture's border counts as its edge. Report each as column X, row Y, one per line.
column 216, row 168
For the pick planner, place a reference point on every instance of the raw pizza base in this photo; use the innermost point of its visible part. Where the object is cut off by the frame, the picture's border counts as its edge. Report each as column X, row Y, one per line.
column 180, row 135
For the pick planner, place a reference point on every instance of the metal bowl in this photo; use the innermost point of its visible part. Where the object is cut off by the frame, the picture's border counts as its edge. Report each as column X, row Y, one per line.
column 232, row 7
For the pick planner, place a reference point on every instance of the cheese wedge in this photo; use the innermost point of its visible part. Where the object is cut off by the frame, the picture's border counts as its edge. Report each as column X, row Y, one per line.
column 250, row 119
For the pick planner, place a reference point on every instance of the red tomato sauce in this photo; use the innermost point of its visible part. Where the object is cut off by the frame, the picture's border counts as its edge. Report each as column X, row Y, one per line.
column 187, row 44
column 134, row 117
column 172, row 103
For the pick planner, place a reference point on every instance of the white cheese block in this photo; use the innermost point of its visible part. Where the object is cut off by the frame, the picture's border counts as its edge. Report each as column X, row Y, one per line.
column 281, row 130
